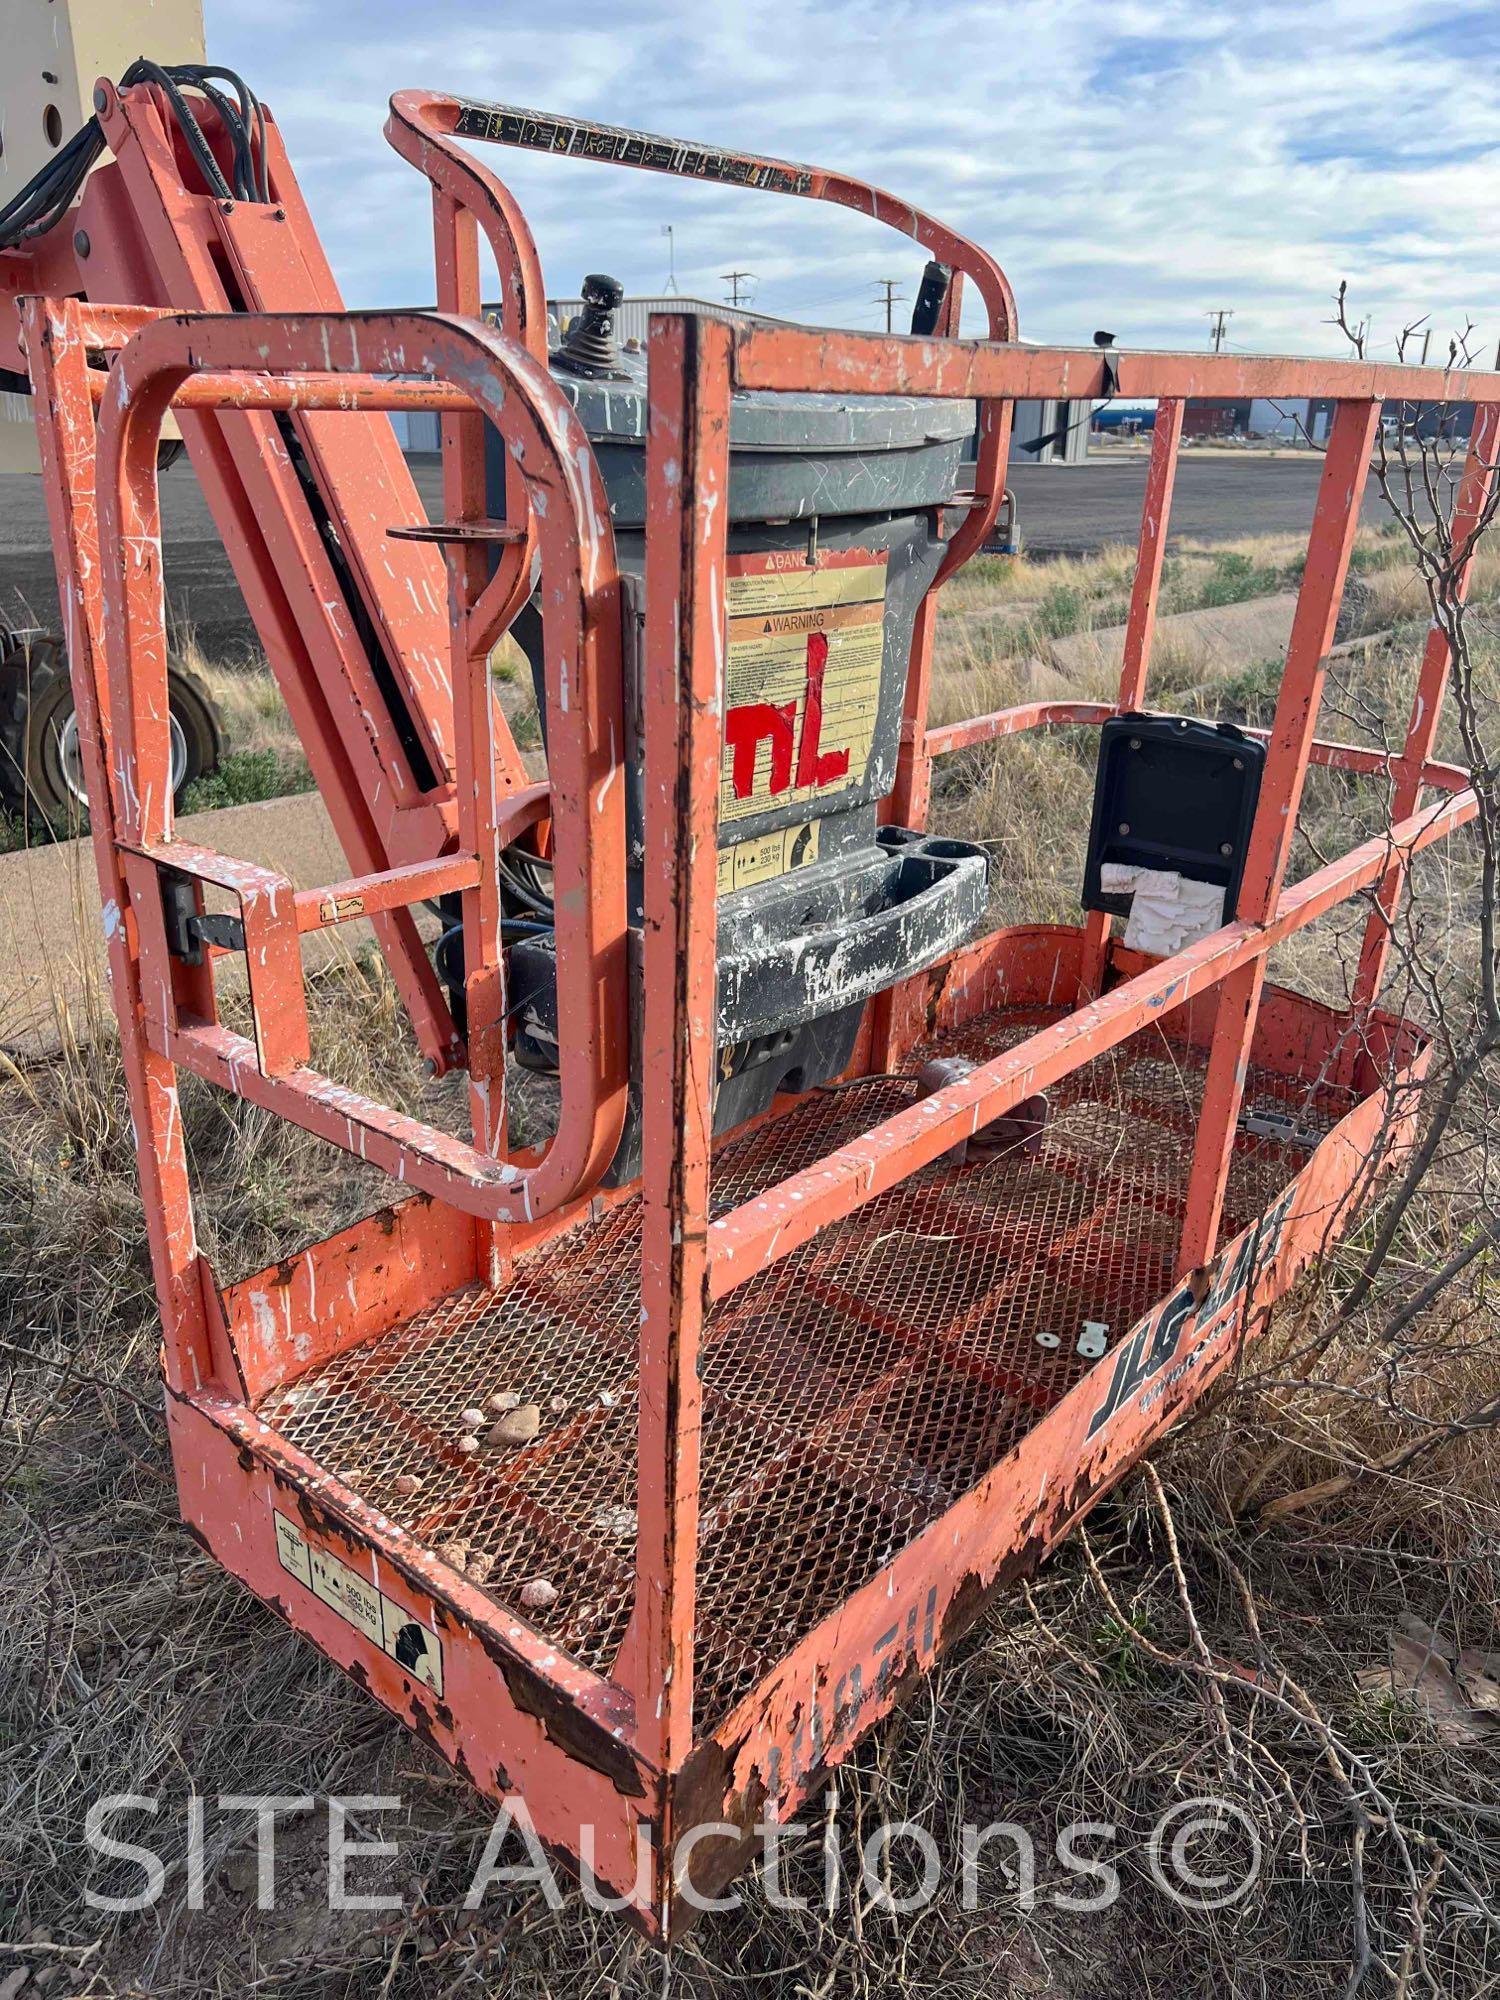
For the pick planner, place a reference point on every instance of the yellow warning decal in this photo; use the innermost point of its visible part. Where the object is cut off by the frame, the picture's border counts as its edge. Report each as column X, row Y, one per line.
column 767, row 856
column 362, row 1604
column 802, row 691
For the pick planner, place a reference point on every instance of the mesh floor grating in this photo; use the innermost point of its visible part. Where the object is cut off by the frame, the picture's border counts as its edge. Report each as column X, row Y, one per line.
column 851, row 1393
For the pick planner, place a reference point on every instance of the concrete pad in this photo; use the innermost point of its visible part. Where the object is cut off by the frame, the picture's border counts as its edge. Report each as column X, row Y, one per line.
column 52, row 984
column 1231, row 636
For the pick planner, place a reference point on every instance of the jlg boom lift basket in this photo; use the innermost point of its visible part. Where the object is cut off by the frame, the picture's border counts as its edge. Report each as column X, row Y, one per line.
column 809, row 1390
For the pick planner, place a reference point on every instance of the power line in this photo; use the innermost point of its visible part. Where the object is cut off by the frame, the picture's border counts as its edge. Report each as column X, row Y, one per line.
column 795, row 306
column 734, row 280
column 891, row 296
column 1218, row 314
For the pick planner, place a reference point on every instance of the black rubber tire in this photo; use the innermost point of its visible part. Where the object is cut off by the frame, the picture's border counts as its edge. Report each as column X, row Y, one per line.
column 36, row 701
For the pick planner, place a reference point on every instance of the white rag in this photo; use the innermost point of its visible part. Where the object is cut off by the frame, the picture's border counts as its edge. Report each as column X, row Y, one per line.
column 1167, row 911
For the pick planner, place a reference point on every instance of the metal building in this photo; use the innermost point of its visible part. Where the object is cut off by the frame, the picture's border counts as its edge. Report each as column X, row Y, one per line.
column 1051, row 432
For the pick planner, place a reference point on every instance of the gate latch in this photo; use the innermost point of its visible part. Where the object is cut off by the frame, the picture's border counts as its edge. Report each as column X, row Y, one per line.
column 188, row 928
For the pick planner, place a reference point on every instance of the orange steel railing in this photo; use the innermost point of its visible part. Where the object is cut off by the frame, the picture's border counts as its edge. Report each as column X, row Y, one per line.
column 689, row 1260
column 627, row 1741
column 232, row 362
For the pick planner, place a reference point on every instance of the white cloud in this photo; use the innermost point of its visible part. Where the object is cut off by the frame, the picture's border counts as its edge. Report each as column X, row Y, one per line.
column 1130, row 165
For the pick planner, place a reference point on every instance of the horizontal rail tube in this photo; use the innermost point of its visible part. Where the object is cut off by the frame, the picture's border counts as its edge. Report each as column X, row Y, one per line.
column 392, row 889
column 395, row 888
column 416, row 1155
column 759, row 1232
column 1013, row 721
column 1001, row 722
column 899, row 365
column 303, row 392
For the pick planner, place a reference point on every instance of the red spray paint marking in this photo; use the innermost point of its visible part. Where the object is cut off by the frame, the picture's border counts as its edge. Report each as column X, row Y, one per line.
column 747, row 727
column 814, row 768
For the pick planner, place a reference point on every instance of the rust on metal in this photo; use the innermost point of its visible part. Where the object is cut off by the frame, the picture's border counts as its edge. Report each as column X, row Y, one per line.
column 806, row 1396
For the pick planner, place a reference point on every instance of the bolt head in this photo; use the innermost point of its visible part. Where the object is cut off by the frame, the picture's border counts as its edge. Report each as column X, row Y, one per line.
column 81, row 242
column 1124, row 826
column 1226, row 847
column 101, row 97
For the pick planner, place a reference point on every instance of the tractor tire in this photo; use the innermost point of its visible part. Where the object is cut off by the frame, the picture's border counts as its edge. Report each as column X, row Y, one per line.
column 40, row 762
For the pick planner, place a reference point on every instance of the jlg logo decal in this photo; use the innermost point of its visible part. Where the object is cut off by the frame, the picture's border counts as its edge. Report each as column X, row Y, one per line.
column 1154, row 1345
column 745, row 729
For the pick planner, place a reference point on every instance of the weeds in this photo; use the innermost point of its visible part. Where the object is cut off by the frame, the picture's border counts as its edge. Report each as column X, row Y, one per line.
column 245, row 778
column 1217, row 1632
column 1232, row 578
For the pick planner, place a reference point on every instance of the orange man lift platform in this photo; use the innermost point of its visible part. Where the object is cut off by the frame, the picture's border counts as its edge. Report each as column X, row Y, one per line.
column 805, row 1392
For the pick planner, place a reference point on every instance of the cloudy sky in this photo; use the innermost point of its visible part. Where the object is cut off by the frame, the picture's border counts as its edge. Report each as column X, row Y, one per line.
column 1132, row 163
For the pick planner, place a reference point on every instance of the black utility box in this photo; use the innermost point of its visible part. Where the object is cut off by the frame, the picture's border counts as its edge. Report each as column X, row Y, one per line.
column 1175, row 794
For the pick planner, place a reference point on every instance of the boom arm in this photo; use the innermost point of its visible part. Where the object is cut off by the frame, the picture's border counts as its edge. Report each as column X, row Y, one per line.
column 199, row 210
column 354, row 623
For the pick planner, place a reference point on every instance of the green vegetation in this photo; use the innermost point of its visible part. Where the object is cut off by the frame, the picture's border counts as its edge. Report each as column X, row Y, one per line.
column 1232, row 577
column 245, row 778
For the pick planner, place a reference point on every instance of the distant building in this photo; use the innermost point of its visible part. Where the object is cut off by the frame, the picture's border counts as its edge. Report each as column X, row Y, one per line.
column 419, row 430
column 1054, row 432
column 1214, row 416
column 1449, row 422
column 1294, row 419
column 1123, row 419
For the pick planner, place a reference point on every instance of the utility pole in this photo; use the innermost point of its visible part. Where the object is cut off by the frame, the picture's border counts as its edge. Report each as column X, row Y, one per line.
column 666, row 230
column 1218, row 315
column 734, row 280
column 891, row 296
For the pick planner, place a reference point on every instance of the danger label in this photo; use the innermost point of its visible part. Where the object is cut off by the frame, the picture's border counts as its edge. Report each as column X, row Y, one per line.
column 802, row 691
column 362, row 1604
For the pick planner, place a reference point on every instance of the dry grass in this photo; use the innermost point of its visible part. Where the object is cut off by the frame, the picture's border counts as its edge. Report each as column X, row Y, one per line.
column 1008, row 609
column 1395, row 594
column 252, row 713
column 136, row 1665
column 264, row 754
